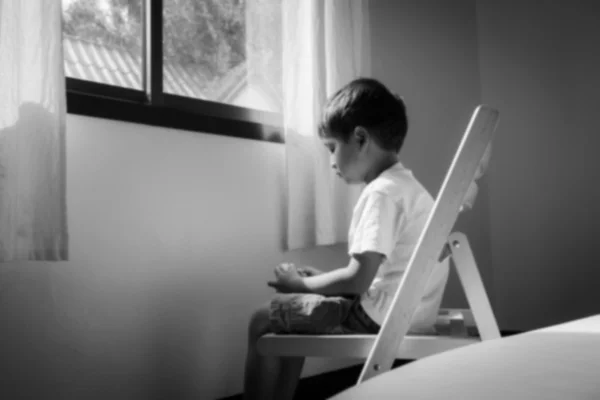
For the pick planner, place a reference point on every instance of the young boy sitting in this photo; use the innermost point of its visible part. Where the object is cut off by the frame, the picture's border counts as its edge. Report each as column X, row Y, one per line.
column 363, row 126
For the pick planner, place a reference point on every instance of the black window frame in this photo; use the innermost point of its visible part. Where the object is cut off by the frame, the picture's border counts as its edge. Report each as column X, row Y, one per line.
column 151, row 106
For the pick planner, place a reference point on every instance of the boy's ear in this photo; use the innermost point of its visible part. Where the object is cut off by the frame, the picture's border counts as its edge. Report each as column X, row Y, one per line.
column 361, row 135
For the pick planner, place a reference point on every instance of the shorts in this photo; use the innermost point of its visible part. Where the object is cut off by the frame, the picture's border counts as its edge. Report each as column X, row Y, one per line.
column 309, row 313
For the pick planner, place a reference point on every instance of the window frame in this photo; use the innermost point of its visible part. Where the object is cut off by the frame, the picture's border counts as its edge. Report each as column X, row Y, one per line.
column 151, row 106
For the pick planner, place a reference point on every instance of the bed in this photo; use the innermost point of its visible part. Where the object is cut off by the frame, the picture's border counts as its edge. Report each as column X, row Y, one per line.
column 557, row 362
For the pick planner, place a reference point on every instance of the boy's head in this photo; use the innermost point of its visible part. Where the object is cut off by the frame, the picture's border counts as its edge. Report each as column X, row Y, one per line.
column 361, row 123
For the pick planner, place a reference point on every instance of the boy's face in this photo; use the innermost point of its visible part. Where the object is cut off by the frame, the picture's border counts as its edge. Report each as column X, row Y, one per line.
column 345, row 158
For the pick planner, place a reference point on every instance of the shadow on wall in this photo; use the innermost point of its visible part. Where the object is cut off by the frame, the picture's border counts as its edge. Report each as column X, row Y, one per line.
column 36, row 360
column 27, row 189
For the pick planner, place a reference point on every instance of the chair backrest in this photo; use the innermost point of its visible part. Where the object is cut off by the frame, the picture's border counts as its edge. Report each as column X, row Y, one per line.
column 467, row 160
column 472, row 191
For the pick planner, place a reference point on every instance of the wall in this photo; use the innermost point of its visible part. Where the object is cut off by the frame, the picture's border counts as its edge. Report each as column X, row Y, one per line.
column 426, row 51
column 174, row 234
column 173, row 237
column 539, row 66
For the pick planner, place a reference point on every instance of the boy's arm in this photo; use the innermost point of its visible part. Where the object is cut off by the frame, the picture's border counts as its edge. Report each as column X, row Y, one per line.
column 352, row 279
column 307, row 270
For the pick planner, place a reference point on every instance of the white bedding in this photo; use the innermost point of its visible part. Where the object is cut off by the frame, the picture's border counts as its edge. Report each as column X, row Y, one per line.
column 555, row 363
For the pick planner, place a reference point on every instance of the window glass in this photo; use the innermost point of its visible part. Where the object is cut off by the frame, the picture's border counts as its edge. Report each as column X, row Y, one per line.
column 102, row 41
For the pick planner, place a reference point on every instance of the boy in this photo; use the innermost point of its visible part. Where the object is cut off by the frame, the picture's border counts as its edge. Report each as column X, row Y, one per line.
column 363, row 126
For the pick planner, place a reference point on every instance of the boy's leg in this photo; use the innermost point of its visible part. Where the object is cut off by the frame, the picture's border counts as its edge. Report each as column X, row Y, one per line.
column 268, row 377
column 261, row 373
column 277, row 377
column 289, row 375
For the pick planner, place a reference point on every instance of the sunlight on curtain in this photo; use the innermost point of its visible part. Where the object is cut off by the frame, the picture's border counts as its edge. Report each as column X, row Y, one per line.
column 325, row 45
column 33, row 223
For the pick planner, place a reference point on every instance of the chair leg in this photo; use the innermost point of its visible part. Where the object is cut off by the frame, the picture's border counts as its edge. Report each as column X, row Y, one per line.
column 472, row 283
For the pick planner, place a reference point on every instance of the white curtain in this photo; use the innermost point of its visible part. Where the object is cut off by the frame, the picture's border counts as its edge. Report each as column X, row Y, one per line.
column 33, row 222
column 325, row 45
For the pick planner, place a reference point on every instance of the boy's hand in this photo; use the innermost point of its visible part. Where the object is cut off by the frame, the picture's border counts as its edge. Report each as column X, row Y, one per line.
column 309, row 271
column 288, row 280
column 469, row 197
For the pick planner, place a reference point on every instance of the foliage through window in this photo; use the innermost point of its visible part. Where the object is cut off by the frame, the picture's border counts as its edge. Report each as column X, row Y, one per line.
column 222, row 51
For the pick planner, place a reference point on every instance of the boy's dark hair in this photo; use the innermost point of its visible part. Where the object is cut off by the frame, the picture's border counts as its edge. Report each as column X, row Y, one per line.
column 368, row 103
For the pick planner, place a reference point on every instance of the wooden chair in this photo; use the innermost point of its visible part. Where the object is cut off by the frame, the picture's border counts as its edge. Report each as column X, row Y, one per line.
column 455, row 327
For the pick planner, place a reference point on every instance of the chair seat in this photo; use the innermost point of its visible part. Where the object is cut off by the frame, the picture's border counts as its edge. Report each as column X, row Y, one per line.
column 356, row 346
column 454, row 328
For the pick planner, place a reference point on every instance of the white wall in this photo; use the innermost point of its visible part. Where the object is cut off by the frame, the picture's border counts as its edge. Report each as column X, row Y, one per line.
column 173, row 236
column 540, row 66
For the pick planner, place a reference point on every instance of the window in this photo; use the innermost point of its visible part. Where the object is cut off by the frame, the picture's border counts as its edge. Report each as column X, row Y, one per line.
column 207, row 65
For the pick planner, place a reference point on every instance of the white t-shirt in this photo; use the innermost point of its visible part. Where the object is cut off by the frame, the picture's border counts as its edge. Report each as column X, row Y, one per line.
column 388, row 218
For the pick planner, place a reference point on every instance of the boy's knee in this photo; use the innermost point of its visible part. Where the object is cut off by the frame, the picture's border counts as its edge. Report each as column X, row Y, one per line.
column 259, row 322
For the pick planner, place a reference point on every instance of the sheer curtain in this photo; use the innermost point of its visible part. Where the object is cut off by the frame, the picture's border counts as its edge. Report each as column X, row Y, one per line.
column 325, row 45
column 33, row 222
